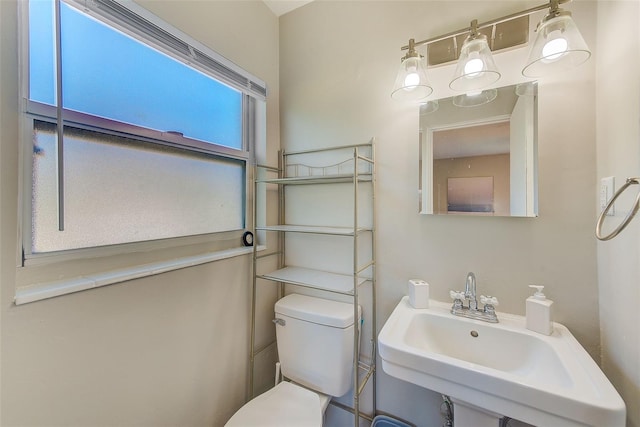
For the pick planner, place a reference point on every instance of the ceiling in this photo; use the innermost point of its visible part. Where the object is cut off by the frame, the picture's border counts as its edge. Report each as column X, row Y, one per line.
column 480, row 140
column 280, row 7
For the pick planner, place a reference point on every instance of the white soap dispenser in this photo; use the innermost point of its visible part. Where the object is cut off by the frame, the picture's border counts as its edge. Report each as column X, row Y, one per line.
column 539, row 312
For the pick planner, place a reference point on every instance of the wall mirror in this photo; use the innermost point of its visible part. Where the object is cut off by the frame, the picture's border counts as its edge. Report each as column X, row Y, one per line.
column 478, row 153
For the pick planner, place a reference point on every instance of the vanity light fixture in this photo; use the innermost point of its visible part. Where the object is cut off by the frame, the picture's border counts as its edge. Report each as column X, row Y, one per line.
column 475, row 98
column 476, row 68
column 558, row 46
column 411, row 81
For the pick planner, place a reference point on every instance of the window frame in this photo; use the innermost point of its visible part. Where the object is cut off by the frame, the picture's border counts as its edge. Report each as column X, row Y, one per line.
column 251, row 88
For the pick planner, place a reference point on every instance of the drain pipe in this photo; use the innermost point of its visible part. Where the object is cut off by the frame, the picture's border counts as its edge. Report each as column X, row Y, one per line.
column 446, row 410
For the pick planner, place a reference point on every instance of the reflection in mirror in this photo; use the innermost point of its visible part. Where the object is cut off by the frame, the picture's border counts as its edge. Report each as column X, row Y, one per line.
column 480, row 160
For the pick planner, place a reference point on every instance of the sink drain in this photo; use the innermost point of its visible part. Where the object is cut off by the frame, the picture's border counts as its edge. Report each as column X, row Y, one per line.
column 474, row 334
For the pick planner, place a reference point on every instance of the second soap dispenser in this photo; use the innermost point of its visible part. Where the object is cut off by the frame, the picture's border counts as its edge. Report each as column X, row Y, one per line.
column 538, row 310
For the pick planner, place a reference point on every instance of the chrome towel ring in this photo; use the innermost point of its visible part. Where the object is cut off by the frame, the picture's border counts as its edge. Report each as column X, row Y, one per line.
column 627, row 219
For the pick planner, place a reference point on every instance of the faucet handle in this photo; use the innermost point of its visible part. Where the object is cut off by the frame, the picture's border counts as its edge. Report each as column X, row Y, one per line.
column 456, row 295
column 489, row 300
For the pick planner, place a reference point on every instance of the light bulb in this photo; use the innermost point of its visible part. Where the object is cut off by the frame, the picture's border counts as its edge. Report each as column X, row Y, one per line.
column 473, row 67
column 555, row 48
column 411, row 81
column 474, row 93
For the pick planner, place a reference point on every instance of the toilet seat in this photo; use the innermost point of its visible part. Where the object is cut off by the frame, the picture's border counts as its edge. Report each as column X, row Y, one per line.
column 285, row 405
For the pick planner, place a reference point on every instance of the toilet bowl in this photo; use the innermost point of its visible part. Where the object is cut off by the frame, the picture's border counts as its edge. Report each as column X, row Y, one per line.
column 285, row 405
column 315, row 348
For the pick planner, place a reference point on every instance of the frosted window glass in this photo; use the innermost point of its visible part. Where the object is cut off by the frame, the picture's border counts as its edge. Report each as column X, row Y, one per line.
column 118, row 190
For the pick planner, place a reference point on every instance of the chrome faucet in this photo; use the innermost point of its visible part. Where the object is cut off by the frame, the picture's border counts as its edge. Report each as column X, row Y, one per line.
column 470, row 291
column 487, row 314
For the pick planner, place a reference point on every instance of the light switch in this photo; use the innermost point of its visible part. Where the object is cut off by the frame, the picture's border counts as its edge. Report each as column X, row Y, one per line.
column 607, row 188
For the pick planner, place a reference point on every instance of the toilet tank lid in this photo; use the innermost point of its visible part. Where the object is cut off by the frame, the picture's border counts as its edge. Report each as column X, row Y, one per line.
column 317, row 310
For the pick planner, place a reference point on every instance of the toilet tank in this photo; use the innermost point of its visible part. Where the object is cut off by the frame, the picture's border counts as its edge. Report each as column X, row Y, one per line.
column 315, row 342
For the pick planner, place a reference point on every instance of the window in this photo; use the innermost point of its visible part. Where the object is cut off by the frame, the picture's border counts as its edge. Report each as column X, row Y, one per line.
column 109, row 74
column 119, row 190
column 134, row 132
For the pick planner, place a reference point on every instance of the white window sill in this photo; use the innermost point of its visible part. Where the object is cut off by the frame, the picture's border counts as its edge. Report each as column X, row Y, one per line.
column 40, row 291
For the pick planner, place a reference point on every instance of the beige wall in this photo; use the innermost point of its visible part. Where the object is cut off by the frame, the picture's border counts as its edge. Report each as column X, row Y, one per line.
column 618, row 148
column 496, row 166
column 170, row 349
column 338, row 63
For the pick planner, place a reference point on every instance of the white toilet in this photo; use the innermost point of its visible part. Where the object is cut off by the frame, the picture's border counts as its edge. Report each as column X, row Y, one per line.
column 315, row 347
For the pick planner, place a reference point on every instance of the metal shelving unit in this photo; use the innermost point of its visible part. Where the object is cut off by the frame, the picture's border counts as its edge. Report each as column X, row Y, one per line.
column 357, row 169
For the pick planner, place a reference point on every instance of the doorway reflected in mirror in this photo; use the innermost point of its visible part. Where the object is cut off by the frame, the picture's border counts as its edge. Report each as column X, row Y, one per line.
column 488, row 153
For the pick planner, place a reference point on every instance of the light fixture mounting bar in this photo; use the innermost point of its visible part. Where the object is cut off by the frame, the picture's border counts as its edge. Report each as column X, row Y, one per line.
column 488, row 23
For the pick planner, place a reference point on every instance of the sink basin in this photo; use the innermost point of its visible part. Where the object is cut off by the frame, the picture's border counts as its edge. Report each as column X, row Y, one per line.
column 502, row 368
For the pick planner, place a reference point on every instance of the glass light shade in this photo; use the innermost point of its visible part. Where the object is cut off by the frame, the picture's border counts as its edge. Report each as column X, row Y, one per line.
column 473, row 99
column 527, row 89
column 411, row 83
column 429, row 107
column 558, row 47
column 476, row 68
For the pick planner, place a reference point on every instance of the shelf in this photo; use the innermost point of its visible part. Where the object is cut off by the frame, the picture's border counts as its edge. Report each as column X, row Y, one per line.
column 312, row 229
column 345, row 168
column 320, row 179
column 317, row 279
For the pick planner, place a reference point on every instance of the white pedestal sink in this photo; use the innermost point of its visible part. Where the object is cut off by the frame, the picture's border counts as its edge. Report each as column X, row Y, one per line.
column 501, row 369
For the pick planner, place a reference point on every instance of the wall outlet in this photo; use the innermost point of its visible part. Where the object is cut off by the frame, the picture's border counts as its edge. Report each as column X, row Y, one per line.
column 607, row 189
